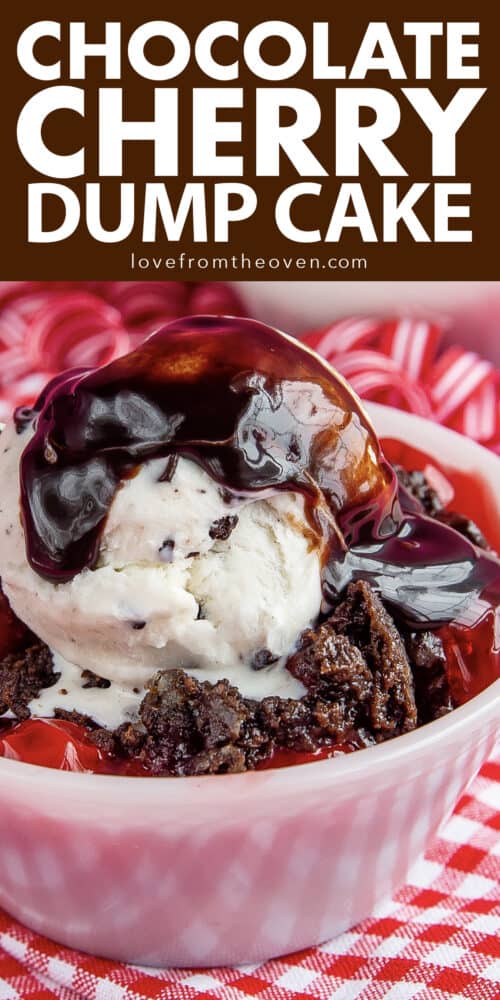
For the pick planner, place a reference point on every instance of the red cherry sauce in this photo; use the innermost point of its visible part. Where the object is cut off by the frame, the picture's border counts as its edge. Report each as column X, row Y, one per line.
column 285, row 758
column 61, row 745
column 472, row 654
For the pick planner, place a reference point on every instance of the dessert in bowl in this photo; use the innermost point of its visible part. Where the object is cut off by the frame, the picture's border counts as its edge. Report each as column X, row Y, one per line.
column 222, row 573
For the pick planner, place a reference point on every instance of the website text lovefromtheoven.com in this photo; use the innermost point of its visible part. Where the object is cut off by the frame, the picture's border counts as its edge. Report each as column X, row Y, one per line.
column 244, row 262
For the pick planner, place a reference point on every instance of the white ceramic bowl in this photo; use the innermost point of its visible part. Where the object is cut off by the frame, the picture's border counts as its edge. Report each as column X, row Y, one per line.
column 237, row 868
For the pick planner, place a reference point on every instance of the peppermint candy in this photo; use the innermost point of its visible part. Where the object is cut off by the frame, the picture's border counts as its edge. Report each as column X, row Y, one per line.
column 398, row 362
column 46, row 327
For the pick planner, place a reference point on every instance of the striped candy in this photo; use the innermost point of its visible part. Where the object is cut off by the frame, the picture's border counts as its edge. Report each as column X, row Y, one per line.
column 398, row 362
column 48, row 326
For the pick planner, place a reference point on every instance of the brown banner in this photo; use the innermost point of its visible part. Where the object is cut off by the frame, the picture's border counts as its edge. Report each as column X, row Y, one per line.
column 189, row 207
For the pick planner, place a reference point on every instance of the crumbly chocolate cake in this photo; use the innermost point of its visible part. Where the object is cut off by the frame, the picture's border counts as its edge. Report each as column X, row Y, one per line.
column 366, row 679
column 416, row 484
column 23, row 675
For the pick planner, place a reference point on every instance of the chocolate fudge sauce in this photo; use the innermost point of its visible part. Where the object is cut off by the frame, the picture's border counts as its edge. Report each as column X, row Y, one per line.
column 260, row 414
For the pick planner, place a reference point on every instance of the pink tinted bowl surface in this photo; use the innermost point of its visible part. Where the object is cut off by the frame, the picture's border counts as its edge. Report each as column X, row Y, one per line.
column 235, row 869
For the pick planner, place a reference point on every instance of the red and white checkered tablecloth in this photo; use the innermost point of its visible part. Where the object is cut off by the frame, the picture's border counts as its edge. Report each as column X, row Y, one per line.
column 438, row 938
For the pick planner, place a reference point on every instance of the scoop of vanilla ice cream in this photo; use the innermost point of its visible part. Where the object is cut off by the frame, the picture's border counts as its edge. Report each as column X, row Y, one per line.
column 184, row 579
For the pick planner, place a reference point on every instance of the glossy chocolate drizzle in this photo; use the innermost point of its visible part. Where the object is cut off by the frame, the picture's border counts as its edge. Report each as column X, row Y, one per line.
column 260, row 414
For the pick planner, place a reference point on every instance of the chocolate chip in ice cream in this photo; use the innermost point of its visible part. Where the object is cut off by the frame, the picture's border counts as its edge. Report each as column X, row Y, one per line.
column 167, row 550
column 263, row 658
column 221, row 529
column 92, row 680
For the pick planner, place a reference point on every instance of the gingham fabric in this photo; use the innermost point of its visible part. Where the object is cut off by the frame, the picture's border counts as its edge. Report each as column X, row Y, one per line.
column 438, row 938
